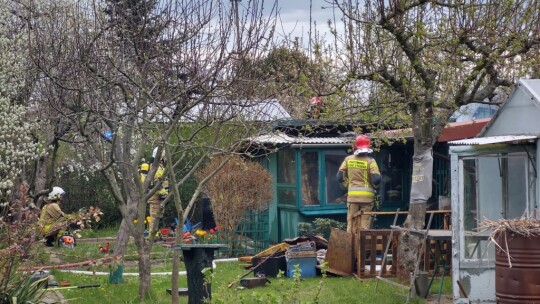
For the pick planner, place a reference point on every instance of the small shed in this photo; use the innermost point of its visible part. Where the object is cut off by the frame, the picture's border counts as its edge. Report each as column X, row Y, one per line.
column 303, row 157
column 494, row 176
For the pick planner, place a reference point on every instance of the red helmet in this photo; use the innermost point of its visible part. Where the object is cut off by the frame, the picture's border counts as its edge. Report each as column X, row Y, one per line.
column 362, row 144
column 316, row 101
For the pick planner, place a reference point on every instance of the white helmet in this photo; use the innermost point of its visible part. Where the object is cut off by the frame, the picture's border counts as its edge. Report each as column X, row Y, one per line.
column 56, row 193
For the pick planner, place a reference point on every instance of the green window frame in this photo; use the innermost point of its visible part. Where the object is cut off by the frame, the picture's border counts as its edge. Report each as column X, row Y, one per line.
column 315, row 171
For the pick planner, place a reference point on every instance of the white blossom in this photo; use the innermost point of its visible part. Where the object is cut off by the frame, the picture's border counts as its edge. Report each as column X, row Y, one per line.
column 16, row 145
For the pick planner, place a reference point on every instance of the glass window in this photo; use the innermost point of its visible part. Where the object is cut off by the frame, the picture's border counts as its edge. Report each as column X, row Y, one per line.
column 287, row 197
column 286, row 167
column 310, row 178
column 494, row 187
column 335, row 193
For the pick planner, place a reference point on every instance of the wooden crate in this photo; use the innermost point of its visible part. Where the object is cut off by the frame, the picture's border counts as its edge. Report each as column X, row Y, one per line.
column 374, row 241
column 370, row 245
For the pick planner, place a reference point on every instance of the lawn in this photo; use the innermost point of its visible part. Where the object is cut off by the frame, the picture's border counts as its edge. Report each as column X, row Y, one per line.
column 280, row 290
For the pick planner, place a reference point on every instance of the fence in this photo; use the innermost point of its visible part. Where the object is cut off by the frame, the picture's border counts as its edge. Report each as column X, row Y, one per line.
column 250, row 237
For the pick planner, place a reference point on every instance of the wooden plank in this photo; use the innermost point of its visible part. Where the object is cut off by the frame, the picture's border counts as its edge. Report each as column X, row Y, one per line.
column 358, row 213
column 339, row 254
column 385, row 252
column 362, row 260
column 373, row 254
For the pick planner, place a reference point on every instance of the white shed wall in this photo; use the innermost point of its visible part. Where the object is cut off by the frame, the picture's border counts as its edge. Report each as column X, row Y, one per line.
column 519, row 116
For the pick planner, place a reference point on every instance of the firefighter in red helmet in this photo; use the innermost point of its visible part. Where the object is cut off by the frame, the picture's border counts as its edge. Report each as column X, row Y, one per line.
column 316, row 108
column 360, row 174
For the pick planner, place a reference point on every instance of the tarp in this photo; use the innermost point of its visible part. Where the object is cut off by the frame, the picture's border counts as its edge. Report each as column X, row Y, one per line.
column 422, row 177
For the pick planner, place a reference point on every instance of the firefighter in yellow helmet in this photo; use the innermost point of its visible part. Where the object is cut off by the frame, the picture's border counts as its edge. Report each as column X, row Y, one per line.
column 360, row 174
column 156, row 200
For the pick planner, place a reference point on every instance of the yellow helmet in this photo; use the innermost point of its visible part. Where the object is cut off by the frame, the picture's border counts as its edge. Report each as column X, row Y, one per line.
column 145, row 167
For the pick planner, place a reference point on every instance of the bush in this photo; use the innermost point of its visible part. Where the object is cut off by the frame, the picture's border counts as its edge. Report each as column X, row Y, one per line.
column 17, row 237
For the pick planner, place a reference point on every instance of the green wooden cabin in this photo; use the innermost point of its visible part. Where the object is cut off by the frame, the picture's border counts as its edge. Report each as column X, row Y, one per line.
column 304, row 156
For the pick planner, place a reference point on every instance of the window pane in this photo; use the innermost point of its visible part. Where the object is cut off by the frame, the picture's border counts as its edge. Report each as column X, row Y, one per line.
column 335, row 193
column 516, row 187
column 310, row 178
column 287, row 197
column 286, row 167
column 494, row 187
column 480, row 177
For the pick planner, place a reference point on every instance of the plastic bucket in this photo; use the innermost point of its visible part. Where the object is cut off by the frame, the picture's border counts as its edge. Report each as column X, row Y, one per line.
column 421, row 284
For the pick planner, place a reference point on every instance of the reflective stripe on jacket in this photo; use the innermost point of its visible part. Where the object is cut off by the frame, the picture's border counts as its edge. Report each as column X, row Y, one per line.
column 357, row 171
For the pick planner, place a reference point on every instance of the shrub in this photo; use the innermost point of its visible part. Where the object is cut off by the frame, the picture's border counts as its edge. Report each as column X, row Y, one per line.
column 17, row 223
column 238, row 187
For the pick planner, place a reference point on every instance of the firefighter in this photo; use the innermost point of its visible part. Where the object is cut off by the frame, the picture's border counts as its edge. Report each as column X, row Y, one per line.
column 156, row 200
column 360, row 174
column 143, row 170
column 316, row 108
column 51, row 215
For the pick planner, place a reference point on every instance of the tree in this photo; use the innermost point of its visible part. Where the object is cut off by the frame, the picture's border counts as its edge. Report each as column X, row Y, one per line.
column 129, row 76
column 290, row 75
column 430, row 57
column 17, row 146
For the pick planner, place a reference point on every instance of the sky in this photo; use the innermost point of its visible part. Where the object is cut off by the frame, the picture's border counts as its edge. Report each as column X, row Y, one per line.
column 295, row 17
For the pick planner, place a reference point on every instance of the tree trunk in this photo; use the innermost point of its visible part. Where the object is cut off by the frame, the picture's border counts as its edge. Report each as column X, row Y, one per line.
column 143, row 250
column 176, row 258
column 40, row 180
column 421, row 189
column 122, row 239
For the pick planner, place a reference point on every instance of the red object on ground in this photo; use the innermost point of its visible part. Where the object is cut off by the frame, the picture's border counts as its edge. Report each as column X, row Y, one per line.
column 104, row 249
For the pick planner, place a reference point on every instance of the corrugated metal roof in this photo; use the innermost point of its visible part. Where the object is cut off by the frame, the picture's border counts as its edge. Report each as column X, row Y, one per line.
column 452, row 131
column 493, row 140
column 282, row 138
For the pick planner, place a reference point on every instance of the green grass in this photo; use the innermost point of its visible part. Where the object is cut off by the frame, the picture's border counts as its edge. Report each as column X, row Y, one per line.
column 281, row 290
column 98, row 233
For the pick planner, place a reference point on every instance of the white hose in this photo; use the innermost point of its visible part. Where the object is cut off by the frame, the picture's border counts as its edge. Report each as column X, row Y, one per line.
column 137, row 274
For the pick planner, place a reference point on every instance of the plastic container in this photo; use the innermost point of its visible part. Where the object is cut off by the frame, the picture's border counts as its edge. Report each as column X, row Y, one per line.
column 116, row 276
column 307, row 266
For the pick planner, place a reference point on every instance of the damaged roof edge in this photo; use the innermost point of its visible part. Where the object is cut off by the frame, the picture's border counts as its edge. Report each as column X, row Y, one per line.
column 514, row 139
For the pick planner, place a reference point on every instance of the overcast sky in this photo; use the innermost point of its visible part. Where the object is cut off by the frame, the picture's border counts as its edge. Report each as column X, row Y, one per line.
column 295, row 17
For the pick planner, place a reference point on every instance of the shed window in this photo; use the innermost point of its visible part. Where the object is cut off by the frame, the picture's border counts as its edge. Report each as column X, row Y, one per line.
column 286, row 167
column 494, row 187
column 286, row 178
column 310, row 178
column 335, row 193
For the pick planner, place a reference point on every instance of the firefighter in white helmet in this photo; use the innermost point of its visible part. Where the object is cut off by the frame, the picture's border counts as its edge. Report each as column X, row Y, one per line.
column 50, row 215
column 360, row 174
